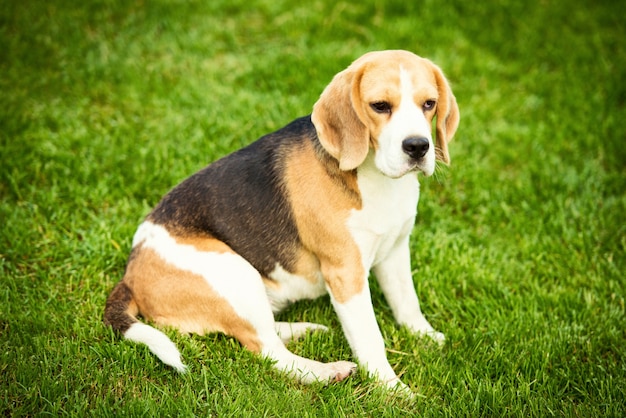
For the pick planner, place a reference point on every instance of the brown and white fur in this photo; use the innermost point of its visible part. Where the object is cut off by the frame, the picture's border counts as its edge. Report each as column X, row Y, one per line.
column 307, row 210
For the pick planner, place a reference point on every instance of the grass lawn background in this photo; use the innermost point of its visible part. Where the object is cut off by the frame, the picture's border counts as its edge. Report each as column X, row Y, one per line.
column 518, row 247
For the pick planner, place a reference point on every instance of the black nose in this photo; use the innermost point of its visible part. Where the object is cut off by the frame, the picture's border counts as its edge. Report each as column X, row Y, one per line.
column 416, row 147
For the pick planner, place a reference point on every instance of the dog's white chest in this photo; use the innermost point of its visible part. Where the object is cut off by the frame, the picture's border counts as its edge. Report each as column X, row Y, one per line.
column 387, row 215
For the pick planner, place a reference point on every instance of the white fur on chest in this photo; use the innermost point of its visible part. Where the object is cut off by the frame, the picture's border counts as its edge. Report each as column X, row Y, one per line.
column 387, row 215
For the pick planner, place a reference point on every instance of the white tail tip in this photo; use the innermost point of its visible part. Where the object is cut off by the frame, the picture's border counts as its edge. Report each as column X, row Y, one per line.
column 158, row 343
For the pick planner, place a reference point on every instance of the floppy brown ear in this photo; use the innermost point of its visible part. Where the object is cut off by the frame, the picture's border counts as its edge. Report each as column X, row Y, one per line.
column 340, row 130
column 447, row 116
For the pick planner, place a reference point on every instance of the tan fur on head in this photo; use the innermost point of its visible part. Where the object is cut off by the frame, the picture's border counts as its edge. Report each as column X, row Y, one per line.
column 341, row 120
column 447, row 116
column 339, row 128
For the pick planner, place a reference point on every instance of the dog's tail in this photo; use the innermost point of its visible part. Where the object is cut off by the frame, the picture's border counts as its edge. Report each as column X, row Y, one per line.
column 120, row 312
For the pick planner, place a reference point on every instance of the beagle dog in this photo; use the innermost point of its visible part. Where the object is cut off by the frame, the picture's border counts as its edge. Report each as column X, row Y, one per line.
column 305, row 211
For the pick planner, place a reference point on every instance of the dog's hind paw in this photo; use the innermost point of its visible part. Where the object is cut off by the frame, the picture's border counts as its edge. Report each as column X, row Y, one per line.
column 288, row 331
column 340, row 370
column 325, row 373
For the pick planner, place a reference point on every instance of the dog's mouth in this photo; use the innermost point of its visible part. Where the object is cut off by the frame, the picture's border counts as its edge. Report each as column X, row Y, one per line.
column 425, row 168
column 411, row 167
column 403, row 164
column 419, row 165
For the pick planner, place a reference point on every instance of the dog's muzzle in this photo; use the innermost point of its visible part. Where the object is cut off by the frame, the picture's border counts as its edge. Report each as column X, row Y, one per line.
column 417, row 149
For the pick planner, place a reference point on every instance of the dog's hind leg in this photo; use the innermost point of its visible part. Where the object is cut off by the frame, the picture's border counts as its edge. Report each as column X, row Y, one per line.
column 289, row 331
column 196, row 290
column 269, row 340
column 269, row 337
column 307, row 370
column 251, row 320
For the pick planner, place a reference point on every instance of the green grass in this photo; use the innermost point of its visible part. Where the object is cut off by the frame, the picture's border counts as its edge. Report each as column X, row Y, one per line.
column 518, row 248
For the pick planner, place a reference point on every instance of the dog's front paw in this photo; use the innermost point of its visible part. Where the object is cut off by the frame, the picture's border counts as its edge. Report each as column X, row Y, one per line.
column 399, row 388
column 422, row 327
column 436, row 336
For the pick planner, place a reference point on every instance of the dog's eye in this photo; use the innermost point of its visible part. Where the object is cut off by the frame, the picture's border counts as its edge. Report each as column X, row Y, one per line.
column 429, row 105
column 381, row 107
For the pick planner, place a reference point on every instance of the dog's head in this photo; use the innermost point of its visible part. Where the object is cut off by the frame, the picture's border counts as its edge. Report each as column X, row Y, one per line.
column 386, row 101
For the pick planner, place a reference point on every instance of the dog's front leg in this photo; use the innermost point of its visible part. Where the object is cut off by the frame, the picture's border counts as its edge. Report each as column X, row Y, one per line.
column 356, row 314
column 396, row 281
